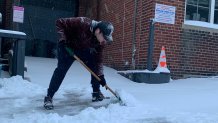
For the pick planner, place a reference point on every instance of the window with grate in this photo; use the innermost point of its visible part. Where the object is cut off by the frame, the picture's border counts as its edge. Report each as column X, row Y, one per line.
column 198, row 10
column 202, row 11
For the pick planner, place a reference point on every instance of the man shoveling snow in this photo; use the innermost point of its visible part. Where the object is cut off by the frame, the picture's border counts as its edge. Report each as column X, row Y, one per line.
column 86, row 38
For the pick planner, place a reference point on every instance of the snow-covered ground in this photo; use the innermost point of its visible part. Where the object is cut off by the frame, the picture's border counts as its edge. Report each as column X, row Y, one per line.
column 191, row 100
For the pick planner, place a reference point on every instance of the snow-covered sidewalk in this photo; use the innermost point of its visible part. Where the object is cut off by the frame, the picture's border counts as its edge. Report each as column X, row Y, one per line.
column 180, row 101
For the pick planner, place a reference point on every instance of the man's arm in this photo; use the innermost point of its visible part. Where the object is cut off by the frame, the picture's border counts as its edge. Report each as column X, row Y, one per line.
column 99, row 65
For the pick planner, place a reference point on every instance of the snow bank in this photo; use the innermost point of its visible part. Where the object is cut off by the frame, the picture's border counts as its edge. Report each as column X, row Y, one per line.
column 180, row 101
column 126, row 98
column 114, row 113
column 17, row 87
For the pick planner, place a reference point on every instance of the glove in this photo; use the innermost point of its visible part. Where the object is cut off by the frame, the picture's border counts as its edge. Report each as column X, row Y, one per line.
column 103, row 81
column 70, row 51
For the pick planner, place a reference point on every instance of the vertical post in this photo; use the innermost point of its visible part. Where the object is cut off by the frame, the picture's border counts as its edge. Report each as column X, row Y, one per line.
column 134, row 36
column 18, row 50
column 18, row 58
column 151, row 44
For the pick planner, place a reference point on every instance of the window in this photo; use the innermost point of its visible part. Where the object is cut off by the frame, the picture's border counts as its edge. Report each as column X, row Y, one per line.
column 0, row 17
column 216, row 12
column 202, row 11
column 198, row 10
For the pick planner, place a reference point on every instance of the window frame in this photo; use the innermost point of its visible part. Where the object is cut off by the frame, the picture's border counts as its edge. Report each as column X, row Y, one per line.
column 209, row 24
column 0, row 17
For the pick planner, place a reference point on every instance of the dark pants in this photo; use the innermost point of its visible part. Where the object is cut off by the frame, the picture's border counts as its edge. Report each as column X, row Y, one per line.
column 64, row 63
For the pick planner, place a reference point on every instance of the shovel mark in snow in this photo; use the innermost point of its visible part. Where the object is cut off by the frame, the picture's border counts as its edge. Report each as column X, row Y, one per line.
column 73, row 104
column 153, row 120
column 126, row 98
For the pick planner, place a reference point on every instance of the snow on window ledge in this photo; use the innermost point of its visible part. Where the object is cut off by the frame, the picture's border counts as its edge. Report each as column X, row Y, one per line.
column 200, row 24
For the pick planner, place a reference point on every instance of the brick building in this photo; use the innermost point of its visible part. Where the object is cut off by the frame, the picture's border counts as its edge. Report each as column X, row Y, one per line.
column 191, row 42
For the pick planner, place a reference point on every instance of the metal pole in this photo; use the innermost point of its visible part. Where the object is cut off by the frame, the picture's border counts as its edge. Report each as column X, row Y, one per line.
column 19, row 57
column 151, row 44
column 134, row 36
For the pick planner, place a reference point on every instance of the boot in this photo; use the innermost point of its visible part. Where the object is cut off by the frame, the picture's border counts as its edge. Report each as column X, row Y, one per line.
column 97, row 96
column 48, row 103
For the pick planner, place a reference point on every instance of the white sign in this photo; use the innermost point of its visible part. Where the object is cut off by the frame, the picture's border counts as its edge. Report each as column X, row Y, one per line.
column 165, row 13
column 18, row 14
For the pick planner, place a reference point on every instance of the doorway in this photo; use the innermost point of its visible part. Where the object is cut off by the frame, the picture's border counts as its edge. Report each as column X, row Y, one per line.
column 39, row 24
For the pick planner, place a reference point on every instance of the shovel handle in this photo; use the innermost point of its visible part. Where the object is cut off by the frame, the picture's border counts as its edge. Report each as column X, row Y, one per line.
column 80, row 61
column 111, row 91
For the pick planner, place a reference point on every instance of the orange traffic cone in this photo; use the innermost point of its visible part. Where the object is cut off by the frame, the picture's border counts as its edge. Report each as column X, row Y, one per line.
column 162, row 65
column 162, row 60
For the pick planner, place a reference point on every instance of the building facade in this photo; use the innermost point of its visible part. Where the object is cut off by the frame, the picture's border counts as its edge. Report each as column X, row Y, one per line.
column 191, row 41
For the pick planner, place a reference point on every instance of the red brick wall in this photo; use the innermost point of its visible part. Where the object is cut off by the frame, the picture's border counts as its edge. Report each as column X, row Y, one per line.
column 88, row 8
column 146, row 15
column 169, row 35
column 8, row 14
column 165, row 35
column 189, row 52
column 199, row 52
column 121, row 14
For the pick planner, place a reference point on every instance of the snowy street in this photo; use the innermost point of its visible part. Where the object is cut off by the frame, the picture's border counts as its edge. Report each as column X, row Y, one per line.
column 192, row 100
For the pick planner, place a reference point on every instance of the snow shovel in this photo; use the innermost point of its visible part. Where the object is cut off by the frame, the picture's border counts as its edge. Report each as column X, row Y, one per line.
column 106, row 86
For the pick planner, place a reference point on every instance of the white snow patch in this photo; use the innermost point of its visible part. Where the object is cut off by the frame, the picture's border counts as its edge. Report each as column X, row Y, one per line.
column 17, row 87
column 190, row 100
column 126, row 98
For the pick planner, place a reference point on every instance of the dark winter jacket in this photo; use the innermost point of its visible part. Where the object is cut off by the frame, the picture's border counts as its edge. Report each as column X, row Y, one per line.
column 77, row 34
